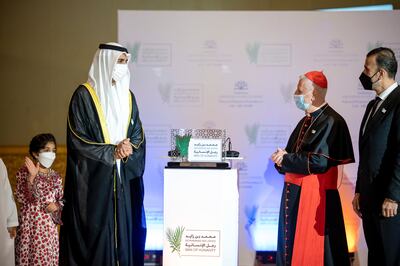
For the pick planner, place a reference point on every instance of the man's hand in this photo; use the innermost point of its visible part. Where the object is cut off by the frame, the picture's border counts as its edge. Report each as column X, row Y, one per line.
column 124, row 149
column 356, row 204
column 12, row 231
column 389, row 208
column 277, row 156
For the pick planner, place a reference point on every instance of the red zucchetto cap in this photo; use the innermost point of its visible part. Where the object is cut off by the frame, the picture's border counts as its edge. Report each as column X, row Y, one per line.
column 318, row 78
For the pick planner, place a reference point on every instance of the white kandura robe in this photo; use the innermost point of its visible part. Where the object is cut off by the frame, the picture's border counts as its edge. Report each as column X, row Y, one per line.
column 8, row 218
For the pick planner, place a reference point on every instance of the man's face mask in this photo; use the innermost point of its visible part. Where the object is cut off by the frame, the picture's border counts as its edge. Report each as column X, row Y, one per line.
column 366, row 81
column 300, row 102
column 120, row 71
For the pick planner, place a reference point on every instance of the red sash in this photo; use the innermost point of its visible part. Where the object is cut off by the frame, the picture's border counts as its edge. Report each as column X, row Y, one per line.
column 308, row 248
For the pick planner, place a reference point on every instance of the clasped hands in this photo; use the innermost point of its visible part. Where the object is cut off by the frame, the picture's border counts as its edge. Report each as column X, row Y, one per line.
column 277, row 156
column 123, row 149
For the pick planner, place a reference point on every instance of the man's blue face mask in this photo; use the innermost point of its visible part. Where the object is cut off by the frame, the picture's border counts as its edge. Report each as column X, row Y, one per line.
column 300, row 102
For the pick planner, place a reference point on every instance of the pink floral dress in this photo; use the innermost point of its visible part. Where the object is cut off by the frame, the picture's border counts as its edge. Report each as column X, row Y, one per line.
column 37, row 235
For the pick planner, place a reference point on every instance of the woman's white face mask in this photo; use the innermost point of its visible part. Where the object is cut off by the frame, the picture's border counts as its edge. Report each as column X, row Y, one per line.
column 47, row 158
column 120, row 71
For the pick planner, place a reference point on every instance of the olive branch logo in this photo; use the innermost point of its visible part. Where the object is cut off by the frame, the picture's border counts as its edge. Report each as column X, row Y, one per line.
column 252, row 133
column 287, row 92
column 252, row 50
column 182, row 144
column 174, row 237
column 165, row 92
column 134, row 51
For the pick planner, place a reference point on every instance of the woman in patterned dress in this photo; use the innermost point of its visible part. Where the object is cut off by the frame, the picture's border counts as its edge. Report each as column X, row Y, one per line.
column 39, row 193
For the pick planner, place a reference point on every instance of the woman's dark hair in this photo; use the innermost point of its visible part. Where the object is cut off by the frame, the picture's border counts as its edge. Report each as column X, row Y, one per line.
column 38, row 142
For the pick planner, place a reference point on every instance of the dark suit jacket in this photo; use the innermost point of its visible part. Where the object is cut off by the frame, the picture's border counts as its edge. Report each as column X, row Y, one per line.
column 378, row 174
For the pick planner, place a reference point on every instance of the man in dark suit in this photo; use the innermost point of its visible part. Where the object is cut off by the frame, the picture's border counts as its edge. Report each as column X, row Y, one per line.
column 378, row 178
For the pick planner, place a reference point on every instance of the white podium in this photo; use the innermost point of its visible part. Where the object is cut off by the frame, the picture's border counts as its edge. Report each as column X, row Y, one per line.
column 201, row 217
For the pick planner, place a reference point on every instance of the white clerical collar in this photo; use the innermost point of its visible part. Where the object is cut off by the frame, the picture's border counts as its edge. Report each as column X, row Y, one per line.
column 384, row 94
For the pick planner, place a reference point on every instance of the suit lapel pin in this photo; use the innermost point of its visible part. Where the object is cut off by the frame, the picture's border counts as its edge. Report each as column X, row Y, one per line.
column 383, row 110
column 313, row 131
column 132, row 122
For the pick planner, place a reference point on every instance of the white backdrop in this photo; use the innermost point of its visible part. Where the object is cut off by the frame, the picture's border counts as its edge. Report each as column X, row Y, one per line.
column 238, row 71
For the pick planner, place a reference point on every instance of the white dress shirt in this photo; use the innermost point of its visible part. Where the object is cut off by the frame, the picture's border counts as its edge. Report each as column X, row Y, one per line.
column 383, row 95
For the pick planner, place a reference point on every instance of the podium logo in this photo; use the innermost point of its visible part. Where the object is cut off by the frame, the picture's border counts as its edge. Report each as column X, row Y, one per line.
column 174, row 237
column 165, row 92
column 134, row 51
column 252, row 50
column 252, row 133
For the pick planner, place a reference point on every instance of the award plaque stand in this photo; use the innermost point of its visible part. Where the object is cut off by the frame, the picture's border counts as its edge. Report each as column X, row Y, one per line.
column 201, row 217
